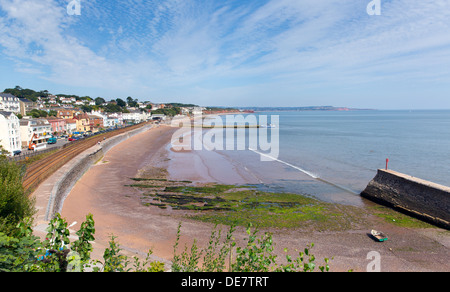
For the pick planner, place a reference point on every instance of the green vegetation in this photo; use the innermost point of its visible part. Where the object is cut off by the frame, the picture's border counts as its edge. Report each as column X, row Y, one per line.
column 173, row 111
column 14, row 205
column 112, row 106
column 243, row 205
column 257, row 255
column 26, row 93
column 399, row 219
column 212, row 108
column 177, row 104
column 117, row 105
column 26, row 252
column 21, row 251
column 35, row 113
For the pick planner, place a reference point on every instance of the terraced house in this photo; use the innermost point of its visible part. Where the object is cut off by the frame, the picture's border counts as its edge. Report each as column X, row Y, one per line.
column 66, row 114
column 82, row 122
column 95, row 122
column 9, row 103
column 58, row 125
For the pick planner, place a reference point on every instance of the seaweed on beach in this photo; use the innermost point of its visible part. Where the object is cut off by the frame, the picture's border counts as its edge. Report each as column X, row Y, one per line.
column 148, row 179
column 145, row 186
column 160, row 179
column 200, row 190
column 238, row 205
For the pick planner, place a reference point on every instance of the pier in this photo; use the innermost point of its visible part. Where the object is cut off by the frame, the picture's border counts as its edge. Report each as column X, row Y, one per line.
column 423, row 199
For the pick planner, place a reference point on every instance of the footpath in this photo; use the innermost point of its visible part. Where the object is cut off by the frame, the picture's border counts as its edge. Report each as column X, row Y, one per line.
column 50, row 194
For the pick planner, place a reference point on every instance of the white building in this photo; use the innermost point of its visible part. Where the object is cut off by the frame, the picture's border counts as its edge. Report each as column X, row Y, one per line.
column 115, row 119
column 71, row 125
column 66, row 100
column 36, row 131
column 9, row 131
column 109, row 121
column 134, row 116
column 198, row 110
column 146, row 116
column 9, row 103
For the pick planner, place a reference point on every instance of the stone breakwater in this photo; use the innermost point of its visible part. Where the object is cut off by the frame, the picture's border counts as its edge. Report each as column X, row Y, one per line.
column 79, row 166
column 424, row 199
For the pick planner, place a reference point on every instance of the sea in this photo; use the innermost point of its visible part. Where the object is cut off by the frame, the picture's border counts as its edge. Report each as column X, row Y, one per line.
column 333, row 155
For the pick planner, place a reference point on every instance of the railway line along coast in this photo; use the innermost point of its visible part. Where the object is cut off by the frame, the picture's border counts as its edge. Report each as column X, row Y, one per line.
column 99, row 181
column 51, row 178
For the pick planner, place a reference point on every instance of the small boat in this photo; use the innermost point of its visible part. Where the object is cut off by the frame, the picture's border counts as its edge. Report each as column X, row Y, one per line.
column 380, row 236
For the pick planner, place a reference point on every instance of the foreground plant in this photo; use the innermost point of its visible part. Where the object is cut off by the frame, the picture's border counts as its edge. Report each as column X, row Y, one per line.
column 256, row 256
column 26, row 252
column 215, row 254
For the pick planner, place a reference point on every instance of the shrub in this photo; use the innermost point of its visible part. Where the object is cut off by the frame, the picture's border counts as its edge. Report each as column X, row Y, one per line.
column 15, row 206
column 25, row 252
column 256, row 256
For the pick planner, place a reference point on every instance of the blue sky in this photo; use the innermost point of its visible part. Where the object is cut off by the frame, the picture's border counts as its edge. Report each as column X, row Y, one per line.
column 232, row 53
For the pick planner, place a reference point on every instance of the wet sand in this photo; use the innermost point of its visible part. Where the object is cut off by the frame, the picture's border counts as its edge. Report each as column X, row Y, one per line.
column 117, row 210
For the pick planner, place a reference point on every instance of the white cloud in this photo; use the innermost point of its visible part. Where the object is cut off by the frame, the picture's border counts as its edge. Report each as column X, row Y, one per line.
column 241, row 48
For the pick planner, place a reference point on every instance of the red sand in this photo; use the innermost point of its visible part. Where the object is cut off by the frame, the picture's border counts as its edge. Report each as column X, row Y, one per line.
column 117, row 210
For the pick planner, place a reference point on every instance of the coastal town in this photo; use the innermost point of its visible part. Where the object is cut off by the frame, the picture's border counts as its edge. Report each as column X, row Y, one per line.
column 132, row 183
column 37, row 122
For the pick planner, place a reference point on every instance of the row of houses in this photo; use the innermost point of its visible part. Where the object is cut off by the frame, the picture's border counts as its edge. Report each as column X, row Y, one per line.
column 16, row 134
column 11, row 103
column 72, row 102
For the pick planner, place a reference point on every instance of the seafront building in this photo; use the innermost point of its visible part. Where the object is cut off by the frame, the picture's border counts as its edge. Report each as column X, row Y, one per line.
column 9, row 103
column 95, row 122
column 82, row 122
column 66, row 119
column 58, row 125
column 9, row 132
column 134, row 116
column 35, row 131
column 71, row 126
column 115, row 119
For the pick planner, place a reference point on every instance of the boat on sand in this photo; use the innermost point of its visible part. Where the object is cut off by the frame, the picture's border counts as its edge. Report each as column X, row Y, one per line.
column 380, row 236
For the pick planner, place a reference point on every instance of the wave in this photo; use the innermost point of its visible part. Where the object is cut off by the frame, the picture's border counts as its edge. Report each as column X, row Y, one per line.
column 310, row 174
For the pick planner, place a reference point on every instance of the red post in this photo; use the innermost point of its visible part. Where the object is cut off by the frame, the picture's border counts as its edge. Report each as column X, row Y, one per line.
column 387, row 162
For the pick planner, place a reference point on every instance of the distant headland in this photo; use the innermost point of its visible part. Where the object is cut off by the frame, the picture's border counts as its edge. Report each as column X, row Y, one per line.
column 303, row 108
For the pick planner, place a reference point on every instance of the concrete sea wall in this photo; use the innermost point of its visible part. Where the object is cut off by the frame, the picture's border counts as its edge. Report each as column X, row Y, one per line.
column 81, row 165
column 421, row 198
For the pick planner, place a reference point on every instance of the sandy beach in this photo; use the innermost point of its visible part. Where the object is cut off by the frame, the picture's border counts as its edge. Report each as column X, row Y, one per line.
column 118, row 210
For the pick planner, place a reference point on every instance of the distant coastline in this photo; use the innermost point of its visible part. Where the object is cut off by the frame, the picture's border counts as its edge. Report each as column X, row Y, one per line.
column 303, row 108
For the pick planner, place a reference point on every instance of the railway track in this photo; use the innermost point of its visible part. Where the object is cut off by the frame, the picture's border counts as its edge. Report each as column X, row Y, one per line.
column 40, row 170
